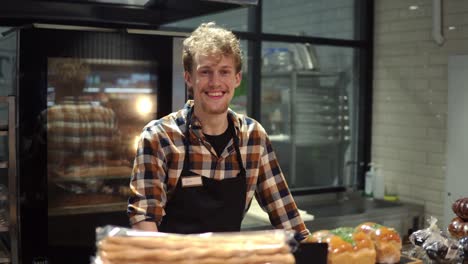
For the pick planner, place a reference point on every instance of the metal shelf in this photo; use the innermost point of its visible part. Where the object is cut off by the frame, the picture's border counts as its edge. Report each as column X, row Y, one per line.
column 288, row 74
column 315, row 101
column 88, row 209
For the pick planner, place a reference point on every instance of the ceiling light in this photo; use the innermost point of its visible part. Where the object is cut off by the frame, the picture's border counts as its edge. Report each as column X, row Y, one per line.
column 452, row 28
column 413, row 7
column 125, row 2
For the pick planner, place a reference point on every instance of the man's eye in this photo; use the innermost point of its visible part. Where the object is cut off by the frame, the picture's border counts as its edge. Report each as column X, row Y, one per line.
column 225, row 72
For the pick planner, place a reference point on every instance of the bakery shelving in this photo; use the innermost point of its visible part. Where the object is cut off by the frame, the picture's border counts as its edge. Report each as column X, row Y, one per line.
column 9, row 226
column 306, row 114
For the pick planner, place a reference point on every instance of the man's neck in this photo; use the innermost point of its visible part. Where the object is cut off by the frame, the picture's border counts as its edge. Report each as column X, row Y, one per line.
column 212, row 124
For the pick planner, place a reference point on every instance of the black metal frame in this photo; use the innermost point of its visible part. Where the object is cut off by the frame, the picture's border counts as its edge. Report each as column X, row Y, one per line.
column 20, row 12
column 366, row 95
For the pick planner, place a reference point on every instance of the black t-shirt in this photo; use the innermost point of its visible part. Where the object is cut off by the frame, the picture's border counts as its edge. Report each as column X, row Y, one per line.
column 219, row 142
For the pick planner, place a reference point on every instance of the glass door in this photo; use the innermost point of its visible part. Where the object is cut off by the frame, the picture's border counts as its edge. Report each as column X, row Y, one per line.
column 84, row 99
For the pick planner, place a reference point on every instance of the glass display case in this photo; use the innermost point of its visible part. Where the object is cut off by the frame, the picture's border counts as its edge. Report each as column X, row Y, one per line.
column 86, row 96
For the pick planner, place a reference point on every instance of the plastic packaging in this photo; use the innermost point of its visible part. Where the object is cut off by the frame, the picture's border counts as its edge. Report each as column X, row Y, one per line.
column 379, row 183
column 369, row 182
column 117, row 245
column 433, row 246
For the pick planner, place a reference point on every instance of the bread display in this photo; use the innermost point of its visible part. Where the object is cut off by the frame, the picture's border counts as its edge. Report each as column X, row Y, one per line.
column 102, row 172
column 367, row 243
column 386, row 240
column 346, row 246
column 138, row 247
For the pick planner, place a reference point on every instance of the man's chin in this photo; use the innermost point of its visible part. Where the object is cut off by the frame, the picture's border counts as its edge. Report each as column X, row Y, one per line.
column 216, row 111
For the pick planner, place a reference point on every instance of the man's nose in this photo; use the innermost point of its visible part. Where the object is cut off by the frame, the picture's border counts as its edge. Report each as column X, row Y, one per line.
column 215, row 79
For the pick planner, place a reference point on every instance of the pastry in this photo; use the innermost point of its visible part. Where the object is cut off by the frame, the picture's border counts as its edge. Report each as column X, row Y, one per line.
column 460, row 208
column 346, row 246
column 386, row 240
column 458, row 228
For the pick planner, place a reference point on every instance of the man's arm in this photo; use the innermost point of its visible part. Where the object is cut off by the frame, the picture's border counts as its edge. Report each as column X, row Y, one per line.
column 145, row 226
column 273, row 194
column 145, row 204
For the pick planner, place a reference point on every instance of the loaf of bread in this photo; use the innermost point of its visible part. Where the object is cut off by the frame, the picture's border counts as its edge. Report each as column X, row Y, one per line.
column 346, row 246
column 200, row 249
column 386, row 240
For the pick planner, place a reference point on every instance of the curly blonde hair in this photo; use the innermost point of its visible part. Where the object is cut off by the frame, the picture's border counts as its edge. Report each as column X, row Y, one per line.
column 210, row 39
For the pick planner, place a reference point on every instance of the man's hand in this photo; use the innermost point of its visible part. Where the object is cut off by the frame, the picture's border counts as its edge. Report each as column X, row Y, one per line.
column 146, row 226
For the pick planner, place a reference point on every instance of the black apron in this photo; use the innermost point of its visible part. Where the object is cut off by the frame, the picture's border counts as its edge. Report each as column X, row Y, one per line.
column 215, row 206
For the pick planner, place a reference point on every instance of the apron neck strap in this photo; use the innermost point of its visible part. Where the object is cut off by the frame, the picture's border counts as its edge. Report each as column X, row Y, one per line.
column 236, row 146
column 188, row 123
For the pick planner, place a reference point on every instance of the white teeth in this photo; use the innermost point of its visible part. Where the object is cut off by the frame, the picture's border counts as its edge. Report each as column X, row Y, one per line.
column 215, row 94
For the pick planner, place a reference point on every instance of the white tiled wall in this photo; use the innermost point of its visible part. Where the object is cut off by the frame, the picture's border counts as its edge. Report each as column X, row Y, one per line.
column 410, row 96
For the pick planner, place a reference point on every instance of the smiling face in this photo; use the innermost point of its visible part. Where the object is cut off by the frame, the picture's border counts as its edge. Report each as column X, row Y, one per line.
column 213, row 80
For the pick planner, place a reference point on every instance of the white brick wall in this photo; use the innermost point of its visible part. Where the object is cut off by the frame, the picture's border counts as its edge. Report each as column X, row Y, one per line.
column 410, row 97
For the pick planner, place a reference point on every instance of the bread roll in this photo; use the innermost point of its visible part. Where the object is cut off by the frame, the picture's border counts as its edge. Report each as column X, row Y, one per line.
column 346, row 246
column 386, row 240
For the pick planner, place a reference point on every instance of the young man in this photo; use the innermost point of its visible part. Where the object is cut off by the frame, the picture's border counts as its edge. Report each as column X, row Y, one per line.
column 197, row 170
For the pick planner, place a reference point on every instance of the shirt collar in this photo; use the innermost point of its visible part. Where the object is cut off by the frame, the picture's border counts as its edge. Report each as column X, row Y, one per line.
column 196, row 124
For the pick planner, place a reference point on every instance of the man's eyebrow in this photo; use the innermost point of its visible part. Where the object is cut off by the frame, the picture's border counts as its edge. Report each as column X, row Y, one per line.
column 204, row 67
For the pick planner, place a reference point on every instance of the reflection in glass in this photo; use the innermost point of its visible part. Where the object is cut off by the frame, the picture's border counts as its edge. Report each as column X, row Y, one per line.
column 318, row 18
column 309, row 113
column 96, row 109
column 233, row 19
column 240, row 99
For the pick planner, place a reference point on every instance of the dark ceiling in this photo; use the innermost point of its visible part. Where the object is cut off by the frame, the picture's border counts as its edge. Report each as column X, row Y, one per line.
column 142, row 13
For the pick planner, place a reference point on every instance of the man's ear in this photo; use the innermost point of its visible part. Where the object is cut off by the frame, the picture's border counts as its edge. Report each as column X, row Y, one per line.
column 238, row 78
column 188, row 79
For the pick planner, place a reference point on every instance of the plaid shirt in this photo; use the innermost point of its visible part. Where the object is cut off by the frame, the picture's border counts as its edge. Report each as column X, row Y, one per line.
column 160, row 157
